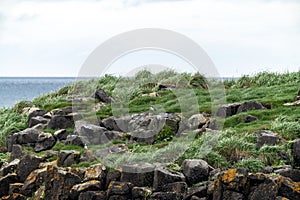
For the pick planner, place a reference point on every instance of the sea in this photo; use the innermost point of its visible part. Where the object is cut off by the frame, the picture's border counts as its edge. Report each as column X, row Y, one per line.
column 14, row 89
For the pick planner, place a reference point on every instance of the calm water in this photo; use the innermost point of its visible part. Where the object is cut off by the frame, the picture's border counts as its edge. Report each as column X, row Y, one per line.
column 15, row 89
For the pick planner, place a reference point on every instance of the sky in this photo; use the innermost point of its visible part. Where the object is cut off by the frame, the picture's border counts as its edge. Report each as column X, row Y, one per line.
column 55, row 37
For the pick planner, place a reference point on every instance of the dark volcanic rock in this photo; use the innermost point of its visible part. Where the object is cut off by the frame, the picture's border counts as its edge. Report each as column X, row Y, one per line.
column 61, row 134
column 92, row 185
column 27, row 164
column 139, row 174
column 34, row 180
column 163, row 176
column 287, row 188
column 28, row 136
column 113, row 175
column 9, row 167
column 119, row 188
column 101, row 96
column 296, row 152
column 15, row 188
column 232, row 195
column 178, row 187
column 45, row 141
column 16, row 152
column 195, row 171
column 140, row 193
column 5, row 181
column 293, row 174
column 59, row 183
column 266, row 137
column 250, row 105
column 235, row 179
column 228, row 110
column 250, row 118
column 165, row 196
column 95, row 172
column 37, row 120
column 76, row 140
column 61, row 122
column 198, row 190
column 265, row 191
column 93, row 133
column 197, row 121
column 92, row 195
column 66, row 158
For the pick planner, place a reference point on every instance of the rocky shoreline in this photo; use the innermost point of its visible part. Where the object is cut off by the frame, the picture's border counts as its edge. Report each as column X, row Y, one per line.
column 50, row 175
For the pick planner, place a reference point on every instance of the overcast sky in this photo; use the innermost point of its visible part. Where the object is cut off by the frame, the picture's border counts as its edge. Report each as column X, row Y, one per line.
column 54, row 37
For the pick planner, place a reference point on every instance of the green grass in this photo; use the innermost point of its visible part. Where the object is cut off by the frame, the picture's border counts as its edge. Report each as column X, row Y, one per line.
column 234, row 146
column 10, row 122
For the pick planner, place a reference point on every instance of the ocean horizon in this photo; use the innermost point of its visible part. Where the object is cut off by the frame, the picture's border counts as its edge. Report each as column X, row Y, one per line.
column 15, row 89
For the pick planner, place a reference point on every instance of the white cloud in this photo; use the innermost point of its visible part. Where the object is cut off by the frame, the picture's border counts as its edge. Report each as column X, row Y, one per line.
column 248, row 35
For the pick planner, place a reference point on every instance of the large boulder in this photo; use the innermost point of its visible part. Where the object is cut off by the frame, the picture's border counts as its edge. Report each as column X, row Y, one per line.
column 61, row 134
column 164, row 176
column 101, row 96
column 76, row 140
column 287, row 188
column 27, row 164
column 113, row 175
column 267, row 190
column 45, row 141
column 250, row 105
column 139, row 174
column 66, row 158
column 228, row 110
column 116, row 188
column 296, row 152
column 266, row 137
column 197, row 121
column 95, row 172
column 59, row 183
column 35, row 112
column 34, row 180
column 61, row 122
column 92, row 185
column 195, row 170
column 235, row 180
column 37, row 120
column 93, row 133
column 28, row 136
column 293, row 174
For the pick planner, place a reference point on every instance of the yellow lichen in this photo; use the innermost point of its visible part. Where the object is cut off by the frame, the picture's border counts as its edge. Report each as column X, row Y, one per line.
column 229, row 175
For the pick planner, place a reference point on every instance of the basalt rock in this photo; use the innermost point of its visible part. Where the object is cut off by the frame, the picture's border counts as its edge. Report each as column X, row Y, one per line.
column 27, row 164
column 195, row 171
column 163, row 176
column 139, row 174
column 59, row 183
column 5, row 181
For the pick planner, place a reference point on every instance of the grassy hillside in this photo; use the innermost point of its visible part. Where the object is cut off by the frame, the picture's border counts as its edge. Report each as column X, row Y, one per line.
column 235, row 146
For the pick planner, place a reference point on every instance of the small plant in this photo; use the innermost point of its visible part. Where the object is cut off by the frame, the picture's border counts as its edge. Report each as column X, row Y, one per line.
column 251, row 164
column 174, row 167
column 286, row 127
column 166, row 134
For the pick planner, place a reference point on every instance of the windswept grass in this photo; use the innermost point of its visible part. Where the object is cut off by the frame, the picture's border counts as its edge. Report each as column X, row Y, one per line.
column 234, row 146
column 10, row 122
